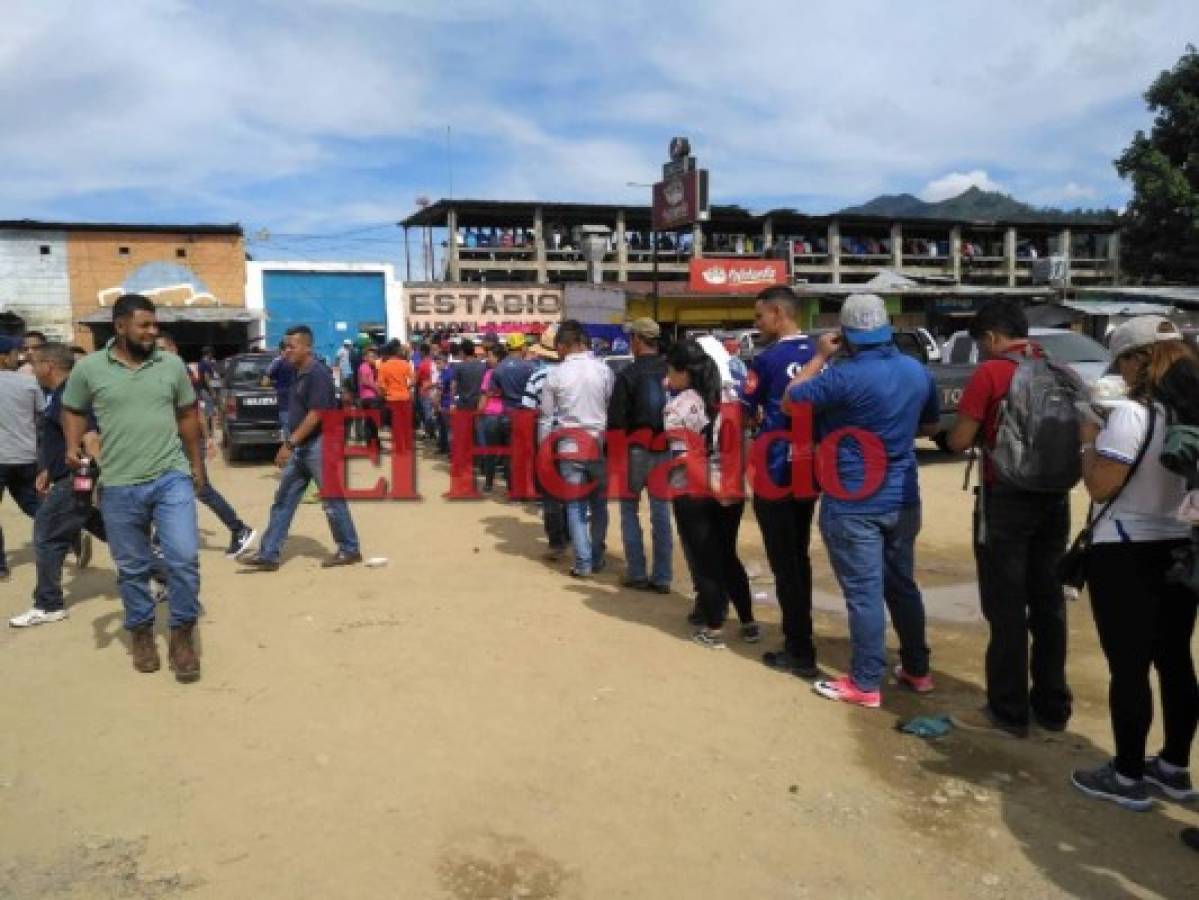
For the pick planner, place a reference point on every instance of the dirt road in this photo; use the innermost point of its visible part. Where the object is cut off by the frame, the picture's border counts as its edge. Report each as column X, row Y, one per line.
column 469, row 722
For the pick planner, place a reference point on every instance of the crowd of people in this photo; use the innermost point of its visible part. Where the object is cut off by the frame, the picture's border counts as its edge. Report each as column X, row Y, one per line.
column 679, row 409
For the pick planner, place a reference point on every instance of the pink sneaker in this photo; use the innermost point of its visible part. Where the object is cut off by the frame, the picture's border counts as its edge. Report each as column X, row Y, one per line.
column 846, row 691
column 921, row 684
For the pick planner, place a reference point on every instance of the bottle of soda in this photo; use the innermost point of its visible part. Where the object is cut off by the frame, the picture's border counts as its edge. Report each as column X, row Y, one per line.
column 83, row 482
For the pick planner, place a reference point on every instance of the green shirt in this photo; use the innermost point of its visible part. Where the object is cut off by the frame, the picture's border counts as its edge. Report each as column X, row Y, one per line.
column 136, row 410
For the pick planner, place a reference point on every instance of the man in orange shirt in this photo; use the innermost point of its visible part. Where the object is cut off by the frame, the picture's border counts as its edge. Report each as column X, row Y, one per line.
column 395, row 374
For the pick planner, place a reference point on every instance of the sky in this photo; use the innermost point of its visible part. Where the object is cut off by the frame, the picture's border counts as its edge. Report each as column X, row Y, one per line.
column 317, row 123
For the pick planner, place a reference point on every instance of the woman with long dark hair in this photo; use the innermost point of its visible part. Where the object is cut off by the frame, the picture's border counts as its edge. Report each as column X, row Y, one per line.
column 1143, row 619
column 707, row 525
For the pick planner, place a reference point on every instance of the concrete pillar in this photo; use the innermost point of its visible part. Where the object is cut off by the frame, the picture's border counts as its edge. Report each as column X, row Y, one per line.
column 539, row 245
column 834, row 250
column 767, row 233
column 697, row 240
column 1065, row 249
column 1009, row 255
column 453, row 270
column 955, row 252
column 896, row 246
column 1113, row 256
column 622, row 249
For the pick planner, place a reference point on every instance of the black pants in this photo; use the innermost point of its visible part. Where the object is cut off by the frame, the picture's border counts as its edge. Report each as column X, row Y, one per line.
column 492, row 431
column 56, row 527
column 709, row 531
column 1023, row 540
column 369, row 430
column 1144, row 621
column 20, row 481
column 787, row 533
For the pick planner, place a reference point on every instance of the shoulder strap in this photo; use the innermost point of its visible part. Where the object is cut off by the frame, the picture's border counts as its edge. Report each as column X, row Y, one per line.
column 1136, row 463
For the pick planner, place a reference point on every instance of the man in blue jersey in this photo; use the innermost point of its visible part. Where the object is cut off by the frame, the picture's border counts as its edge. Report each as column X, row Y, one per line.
column 870, row 526
column 786, row 523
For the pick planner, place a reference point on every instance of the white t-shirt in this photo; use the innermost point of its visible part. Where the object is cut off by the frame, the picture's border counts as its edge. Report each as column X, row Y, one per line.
column 1145, row 508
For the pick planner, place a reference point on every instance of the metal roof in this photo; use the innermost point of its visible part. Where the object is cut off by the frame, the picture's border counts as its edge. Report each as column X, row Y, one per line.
column 232, row 229
column 183, row 314
column 508, row 213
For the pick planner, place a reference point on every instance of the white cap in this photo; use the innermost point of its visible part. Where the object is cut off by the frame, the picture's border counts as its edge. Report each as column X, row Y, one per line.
column 864, row 319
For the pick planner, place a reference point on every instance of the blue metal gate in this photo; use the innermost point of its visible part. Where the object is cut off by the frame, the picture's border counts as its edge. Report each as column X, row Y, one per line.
column 335, row 305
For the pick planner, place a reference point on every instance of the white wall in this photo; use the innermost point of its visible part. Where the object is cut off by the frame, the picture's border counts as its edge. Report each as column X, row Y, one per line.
column 34, row 285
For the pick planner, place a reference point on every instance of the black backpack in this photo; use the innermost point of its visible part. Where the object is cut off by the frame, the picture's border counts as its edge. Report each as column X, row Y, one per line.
column 1036, row 442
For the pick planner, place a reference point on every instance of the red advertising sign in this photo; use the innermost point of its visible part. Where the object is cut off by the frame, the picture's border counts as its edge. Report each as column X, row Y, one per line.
column 735, row 276
column 676, row 201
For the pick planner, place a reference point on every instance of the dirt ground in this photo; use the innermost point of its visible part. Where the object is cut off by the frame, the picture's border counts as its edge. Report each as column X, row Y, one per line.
column 469, row 722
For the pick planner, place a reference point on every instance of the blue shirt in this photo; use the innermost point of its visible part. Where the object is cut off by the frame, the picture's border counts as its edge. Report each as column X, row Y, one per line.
column 282, row 375
column 509, row 378
column 311, row 389
column 52, row 443
column 888, row 394
column 769, row 374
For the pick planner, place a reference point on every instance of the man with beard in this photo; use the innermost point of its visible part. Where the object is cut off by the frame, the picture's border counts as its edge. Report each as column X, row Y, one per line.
column 151, row 464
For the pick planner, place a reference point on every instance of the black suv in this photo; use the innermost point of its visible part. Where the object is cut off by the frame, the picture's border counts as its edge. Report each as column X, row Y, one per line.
column 248, row 412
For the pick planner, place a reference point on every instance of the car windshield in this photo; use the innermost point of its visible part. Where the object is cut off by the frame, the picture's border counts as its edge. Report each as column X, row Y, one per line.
column 248, row 371
column 1071, row 347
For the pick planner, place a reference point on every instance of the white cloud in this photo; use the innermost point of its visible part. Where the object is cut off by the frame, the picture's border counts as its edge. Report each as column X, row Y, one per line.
column 953, row 184
column 562, row 101
column 1075, row 191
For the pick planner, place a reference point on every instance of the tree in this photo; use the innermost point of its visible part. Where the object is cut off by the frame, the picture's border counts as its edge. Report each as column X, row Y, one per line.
column 1160, row 238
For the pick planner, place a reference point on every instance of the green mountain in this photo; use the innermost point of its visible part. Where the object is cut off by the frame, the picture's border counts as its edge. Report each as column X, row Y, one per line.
column 971, row 204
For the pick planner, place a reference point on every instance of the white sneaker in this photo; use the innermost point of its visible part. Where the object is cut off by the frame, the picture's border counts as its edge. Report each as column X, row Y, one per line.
column 36, row 616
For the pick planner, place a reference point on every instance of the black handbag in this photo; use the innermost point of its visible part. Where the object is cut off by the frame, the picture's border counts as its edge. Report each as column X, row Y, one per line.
column 1185, row 569
column 1072, row 567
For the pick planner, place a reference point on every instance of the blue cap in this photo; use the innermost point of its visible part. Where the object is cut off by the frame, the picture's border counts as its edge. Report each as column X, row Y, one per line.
column 9, row 344
column 864, row 320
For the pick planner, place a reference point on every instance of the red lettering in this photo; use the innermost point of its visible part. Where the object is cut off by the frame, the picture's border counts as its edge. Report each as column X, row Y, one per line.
column 874, row 455
column 799, row 435
column 618, row 443
column 403, row 454
column 522, row 440
column 730, row 447
column 462, row 456
column 548, row 457
column 693, row 462
column 335, row 453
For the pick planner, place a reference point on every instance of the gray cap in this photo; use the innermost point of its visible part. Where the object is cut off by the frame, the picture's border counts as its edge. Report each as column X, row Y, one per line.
column 1143, row 331
column 864, row 319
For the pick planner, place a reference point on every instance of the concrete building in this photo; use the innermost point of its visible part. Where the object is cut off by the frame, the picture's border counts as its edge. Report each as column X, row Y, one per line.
column 62, row 278
column 508, row 242
column 34, row 283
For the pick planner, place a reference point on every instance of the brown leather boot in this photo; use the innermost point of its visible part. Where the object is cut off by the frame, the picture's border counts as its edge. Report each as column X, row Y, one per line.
column 145, row 650
column 182, row 654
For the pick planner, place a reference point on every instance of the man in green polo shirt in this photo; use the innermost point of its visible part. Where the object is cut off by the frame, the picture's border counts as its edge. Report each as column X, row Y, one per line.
column 150, row 455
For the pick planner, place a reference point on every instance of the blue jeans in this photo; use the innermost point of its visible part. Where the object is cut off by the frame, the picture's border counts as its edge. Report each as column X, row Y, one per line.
column 168, row 503
column 587, row 519
column 641, row 461
column 873, row 556
column 304, row 466
column 220, row 507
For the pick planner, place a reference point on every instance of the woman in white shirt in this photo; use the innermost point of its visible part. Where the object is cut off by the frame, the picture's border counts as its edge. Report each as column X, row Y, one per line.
column 1142, row 619
column 707, row 523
